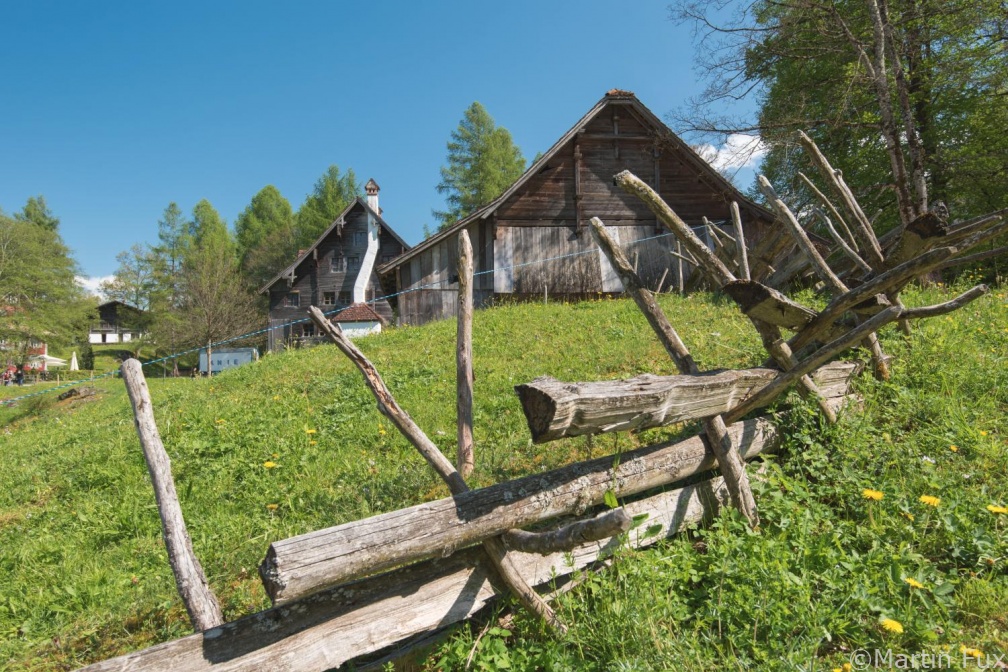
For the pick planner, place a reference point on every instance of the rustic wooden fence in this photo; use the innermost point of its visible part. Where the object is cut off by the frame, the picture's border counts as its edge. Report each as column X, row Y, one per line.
column 385, row 583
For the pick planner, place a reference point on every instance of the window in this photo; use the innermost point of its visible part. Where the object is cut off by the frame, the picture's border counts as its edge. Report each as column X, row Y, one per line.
column 360, row 239
column 293, row 300
column 337, row 264
column 353, row 263
column 308, row 330
column 328, row 298
column 344, row 298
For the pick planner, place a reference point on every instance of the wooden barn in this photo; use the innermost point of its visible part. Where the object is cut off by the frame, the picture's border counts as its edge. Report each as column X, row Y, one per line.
column 337, row 271
column 534, row 238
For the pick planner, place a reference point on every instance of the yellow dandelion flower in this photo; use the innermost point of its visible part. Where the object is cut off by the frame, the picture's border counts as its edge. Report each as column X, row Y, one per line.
column 970, row 652
column 892, row 626
column 269, row 464
column 875, row 495
column 983, row 433
column 312, row 443
column 310, row 431
column 930, row 500
column 220, row 421
column 913, row 583
column 837, row 669
column 847, row 667
column 381, row 431
column 997, row 509
column 954, row 448
column 908, row 516
column 275, row 455
column 276, row 397
column 272, row 507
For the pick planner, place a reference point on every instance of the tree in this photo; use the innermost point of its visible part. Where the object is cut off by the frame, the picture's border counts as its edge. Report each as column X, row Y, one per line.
column 483, row 161
column 136, row 280
column 37, row 212
column 264, row 234
column 174, row 233
column 39, row 295
column 214, row 302
column 333, row 192
column 893, row 91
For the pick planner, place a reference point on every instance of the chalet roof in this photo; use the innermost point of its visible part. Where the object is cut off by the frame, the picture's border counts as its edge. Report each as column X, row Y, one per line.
column 116, row 302
column 304, row 254
column 357, row 312
column 612, row 97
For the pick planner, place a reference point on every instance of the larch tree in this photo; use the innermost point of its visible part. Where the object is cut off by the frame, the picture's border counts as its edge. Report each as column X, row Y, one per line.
column 333, row 192
column 264, row 235
column 482, row 162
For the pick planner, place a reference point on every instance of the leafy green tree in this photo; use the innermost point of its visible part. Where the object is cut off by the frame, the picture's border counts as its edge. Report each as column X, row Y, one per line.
column 264, row 234
column 333, row 192
column 37, row 212
column 174, row 233
column 39, row 295
column 906, row 97
column 214, row 303
column 483, row 161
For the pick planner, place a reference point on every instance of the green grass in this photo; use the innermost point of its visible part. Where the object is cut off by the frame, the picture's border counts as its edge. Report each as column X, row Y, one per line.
column 86, row 577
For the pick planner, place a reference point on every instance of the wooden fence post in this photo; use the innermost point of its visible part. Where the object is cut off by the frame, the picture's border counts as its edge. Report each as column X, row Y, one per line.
column 200, row 602
column 463, row 357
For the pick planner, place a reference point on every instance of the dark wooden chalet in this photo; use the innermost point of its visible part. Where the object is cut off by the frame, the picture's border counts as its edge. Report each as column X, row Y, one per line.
column 534, row 238
column 118, row 322
column 338, row 270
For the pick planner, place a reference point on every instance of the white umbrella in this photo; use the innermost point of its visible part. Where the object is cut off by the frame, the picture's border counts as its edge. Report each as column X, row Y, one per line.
column 48, row 360
column 73, row 362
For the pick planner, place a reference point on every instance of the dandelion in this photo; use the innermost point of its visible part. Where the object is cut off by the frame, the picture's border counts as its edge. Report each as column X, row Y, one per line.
column 954, row 448
column 930, row 500
column 269, row 464
column 272, row 507
column 875, row 495
column 312, row 443
column 275, row 455
column 970, row 652
column 381, row 431
column 220, row 421
column 908, row 516
column 997, row 509
column 276, row 397
column 310, row 431
column 983, row 433
column 913, row 583
column 892, row 626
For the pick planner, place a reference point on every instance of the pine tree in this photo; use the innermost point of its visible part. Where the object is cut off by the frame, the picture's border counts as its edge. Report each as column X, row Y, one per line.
column 483, row 161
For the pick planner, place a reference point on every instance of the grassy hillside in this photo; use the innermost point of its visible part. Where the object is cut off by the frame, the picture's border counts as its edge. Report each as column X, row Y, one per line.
column 294, row 443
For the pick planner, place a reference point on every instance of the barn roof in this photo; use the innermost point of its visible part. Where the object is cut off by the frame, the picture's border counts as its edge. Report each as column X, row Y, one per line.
column 612, row 97
column 304, row 254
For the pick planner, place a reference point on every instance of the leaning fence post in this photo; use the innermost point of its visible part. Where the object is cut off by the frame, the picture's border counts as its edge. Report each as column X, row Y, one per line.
column 729, row 461
column 463, row 357
column 200, row 601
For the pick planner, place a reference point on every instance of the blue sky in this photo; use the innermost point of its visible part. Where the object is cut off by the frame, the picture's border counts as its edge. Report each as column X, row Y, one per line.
column 113, row 109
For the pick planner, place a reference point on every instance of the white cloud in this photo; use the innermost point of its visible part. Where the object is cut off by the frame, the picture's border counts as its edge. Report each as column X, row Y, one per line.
column 90, row 285
column 739, row 151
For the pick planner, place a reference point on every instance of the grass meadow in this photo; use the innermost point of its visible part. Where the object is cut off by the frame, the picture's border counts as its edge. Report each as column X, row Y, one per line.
column 295, row 443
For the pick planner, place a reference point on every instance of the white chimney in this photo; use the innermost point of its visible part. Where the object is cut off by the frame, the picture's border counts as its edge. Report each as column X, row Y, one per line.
column 367, row 263
column 372, row 189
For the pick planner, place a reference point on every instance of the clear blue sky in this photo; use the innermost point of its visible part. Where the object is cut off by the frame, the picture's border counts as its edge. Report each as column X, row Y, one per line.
column 113, row 109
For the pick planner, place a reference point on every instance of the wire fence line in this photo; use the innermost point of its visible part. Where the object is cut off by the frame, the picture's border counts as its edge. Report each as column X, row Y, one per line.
column 258, row 332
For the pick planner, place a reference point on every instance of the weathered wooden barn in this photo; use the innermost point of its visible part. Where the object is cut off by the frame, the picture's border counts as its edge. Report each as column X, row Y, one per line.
column 337, row 271
column 534, row 238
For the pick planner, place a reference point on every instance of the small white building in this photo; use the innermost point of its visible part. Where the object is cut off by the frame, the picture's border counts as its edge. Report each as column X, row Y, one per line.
column 358, row 320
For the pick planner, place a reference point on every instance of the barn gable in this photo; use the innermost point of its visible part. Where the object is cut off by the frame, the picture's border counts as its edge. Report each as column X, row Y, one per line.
column 533, row 238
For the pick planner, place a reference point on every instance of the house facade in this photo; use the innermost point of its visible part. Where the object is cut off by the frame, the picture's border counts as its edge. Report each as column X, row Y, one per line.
column 118, row 322
column 337, row 271
column 534, row 238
